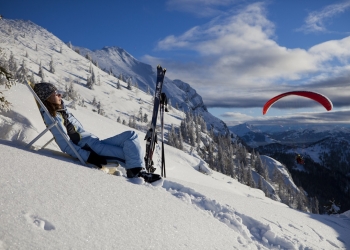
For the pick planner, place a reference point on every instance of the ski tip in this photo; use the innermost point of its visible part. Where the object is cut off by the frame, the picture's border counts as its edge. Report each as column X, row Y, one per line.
column 160, row 67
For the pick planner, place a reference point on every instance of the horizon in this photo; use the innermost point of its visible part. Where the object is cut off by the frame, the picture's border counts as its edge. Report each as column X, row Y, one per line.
column 267, row 47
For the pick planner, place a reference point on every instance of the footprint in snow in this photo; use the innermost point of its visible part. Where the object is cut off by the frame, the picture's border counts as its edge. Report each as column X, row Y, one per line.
column 40, row 222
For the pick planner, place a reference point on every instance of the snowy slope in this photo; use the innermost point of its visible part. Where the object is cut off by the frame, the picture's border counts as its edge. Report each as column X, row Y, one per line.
column 49, row 201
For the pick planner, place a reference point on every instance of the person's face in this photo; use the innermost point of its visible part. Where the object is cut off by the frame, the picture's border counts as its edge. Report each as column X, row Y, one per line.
column 55, row 98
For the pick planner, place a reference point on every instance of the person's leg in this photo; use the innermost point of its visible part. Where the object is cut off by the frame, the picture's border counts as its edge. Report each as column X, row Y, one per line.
column 127, row 147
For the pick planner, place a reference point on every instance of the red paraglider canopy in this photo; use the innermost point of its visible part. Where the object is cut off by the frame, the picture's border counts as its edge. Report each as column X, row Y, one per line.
column 312, row 95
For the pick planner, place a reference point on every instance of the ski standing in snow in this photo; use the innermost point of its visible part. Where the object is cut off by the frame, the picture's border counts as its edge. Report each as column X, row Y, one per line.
column 160, row 102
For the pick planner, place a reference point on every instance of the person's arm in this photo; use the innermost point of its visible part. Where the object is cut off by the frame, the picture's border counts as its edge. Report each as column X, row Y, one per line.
column 61, row 142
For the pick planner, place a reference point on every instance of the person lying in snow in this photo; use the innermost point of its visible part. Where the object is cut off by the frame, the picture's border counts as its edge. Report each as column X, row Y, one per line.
column 124, row 147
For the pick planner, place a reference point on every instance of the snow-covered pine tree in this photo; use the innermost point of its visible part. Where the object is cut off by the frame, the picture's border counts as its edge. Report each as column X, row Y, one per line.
column 22, row 73
column 250, row 182
column 140, row 115
column 12, row 64
column 129, row 87
column 88, row 56
column 98, row 80
column 90, row 68
column 260, row 183
column 89, row 82
column 94, row 101
column 5, row 79
column 302, row 202
column 332, row 207
column 118, row 84
column 100, row 110
column 240, row 171
column 314, row 205
column 52, row 66
column 145, row 118
column 198, row 134
column 41, row 73
column 31, row 79
column 4, row 69
column 172, row 136
column 93, row 76
column 72, row 93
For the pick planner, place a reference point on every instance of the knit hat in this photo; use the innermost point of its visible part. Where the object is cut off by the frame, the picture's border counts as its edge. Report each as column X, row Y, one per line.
column 44, row 90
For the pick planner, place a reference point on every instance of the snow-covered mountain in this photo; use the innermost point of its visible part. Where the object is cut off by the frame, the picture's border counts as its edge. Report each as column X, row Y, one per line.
column 251, row 135
column 35, row 45
column 321, row 143
column 325, row 149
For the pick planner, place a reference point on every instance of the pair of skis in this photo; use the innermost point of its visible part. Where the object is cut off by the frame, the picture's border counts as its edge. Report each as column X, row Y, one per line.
column 160, row 103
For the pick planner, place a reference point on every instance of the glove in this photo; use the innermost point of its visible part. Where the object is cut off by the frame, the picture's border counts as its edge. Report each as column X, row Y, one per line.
column 96, row 159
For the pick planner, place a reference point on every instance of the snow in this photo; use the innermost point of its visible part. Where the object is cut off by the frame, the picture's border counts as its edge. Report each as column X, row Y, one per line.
column 50, row 201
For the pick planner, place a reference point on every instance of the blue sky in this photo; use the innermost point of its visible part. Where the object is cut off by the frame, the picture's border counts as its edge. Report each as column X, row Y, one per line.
column 237, row 54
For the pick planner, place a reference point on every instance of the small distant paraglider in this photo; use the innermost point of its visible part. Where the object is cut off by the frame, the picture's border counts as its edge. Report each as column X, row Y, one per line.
column 325, row 101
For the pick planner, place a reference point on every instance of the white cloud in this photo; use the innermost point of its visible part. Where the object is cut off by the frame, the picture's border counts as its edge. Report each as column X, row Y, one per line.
column 335, row 49
column 236, row 116
column 237, row 62
column 315, row 21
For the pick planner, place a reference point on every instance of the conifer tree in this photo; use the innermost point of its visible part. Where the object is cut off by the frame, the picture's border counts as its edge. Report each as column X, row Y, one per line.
column 260, row 183
column 121, row 77
column 52, row 67
column 181, row 141
column 118, row 84
column 88, row 56
column 94, row 101
column 22, row 73
column 98, row 83
column 129, row 84
column 314, row 205
column 198, row 134
column 31, row 79
column 250, row 180
column 12, row 64
column 100, row 110
column 145, row 118
column 172, row 136
column 41, row 73
column 5, row 79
